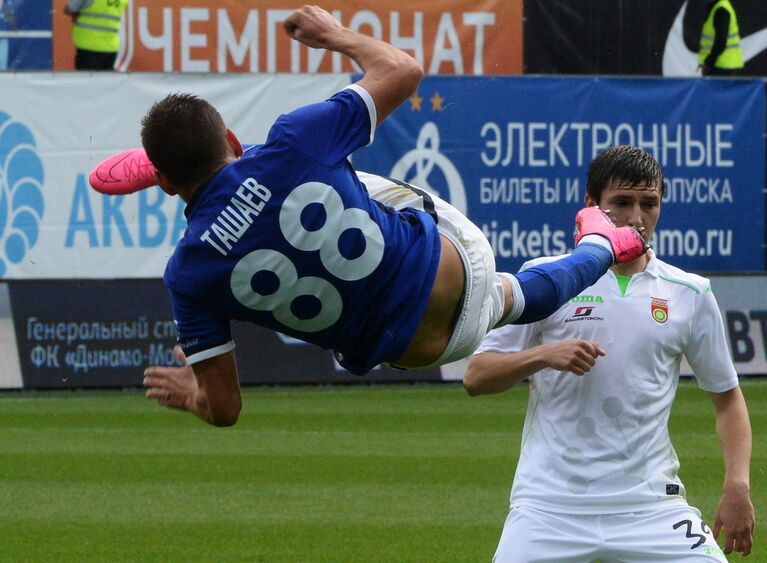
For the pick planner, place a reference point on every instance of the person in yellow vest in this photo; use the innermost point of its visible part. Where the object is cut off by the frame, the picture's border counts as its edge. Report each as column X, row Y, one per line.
column 720, row 52
column 96, row 32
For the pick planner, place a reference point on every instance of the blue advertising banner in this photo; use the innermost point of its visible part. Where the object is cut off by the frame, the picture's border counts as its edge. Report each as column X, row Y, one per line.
column 513, row 152
column 25, row 35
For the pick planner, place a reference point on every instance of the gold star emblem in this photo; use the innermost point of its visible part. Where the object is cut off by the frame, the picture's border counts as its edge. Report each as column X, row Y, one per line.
column 436, row 102
column 415, row 102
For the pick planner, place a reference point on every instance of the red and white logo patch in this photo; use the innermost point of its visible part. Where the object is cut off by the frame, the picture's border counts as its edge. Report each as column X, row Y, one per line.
column 659, row 309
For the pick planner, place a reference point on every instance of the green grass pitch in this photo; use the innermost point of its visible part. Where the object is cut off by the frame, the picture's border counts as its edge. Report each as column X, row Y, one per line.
column 364, row 473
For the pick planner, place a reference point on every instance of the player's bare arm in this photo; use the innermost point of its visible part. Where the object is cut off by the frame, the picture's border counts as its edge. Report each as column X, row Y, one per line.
column 495, row 372
column 209, row 389
column 391, row 75
column 735, row 513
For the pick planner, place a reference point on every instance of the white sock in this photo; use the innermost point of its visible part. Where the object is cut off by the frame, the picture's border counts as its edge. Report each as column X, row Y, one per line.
column 519, row 299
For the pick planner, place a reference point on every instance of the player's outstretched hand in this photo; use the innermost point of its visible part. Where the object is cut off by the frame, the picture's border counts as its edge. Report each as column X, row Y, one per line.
column 574, row 355
column 313, row 26
column 735, row 515
column 172, row 387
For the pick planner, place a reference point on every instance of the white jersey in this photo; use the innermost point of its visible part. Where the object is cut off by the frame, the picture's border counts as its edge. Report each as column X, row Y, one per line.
column 599, row 443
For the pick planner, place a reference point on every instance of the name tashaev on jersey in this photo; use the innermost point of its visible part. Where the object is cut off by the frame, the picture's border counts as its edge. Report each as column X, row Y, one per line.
column 231, row 223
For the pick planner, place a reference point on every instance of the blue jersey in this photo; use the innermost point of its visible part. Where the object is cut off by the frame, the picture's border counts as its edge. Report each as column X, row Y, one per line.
column 287, row 237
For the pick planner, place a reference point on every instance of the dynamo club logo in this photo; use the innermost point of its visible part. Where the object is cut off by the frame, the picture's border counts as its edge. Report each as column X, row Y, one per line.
column 418, row 164
column 21, row 196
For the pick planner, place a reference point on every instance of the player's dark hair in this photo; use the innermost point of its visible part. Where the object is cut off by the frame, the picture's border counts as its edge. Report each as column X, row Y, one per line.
column 626, row 165
column 185, row 138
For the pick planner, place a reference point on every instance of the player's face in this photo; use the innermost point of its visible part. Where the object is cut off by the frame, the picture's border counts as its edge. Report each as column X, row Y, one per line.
column 637, row 205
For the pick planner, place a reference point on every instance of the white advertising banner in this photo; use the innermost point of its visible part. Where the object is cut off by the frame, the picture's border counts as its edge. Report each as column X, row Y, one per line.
column 55, row 127
column 743, row 303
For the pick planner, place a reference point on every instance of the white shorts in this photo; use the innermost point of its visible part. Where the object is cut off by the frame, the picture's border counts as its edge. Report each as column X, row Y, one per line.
column 482, row 306
column 667, row 534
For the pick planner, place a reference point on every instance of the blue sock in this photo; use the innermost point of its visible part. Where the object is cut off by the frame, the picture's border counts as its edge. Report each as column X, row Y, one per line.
column 546, row 287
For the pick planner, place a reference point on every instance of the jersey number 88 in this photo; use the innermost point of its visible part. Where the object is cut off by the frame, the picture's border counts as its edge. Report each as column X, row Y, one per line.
column 325, row 240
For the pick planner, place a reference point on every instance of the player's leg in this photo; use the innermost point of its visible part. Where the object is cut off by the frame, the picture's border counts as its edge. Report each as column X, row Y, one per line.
column 526, row 297
column 489, row 300
column 541, row 290
column 492, row 300
column 547, row 537
column 481, row 304
column 670, row 534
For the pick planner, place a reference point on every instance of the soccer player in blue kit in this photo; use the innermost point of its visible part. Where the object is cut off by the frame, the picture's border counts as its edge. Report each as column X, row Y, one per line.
column 288, row 236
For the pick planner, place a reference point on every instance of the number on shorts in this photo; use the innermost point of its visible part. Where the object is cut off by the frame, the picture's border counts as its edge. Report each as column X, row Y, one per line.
column 689, row 533
column 325, row 240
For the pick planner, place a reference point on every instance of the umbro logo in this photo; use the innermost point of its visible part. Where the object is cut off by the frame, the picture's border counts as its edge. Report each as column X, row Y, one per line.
column 584, row 313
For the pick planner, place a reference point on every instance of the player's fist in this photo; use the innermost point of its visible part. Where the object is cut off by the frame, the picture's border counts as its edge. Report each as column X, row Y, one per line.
column 313, row 26
column 574, row 355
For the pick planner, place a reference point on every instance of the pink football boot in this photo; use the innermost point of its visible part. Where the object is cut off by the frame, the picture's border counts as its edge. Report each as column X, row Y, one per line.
column 627, row 242
column 124, row 173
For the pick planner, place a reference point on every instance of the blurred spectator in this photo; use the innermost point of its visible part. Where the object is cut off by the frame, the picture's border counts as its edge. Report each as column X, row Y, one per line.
column 96, row 32
column 720, row 51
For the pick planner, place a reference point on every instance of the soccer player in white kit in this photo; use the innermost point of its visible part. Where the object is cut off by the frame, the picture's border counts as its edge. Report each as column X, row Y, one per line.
column 597, row 474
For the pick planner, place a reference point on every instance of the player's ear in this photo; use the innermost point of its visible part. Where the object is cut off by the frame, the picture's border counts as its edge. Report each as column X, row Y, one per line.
column 590, row 202
column 234, row 143
column 164, row 183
